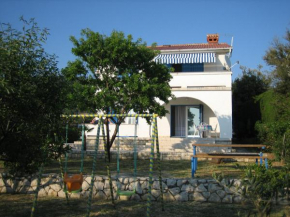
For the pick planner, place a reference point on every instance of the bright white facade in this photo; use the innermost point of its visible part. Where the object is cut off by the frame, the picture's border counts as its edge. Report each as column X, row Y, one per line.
column 202, row 87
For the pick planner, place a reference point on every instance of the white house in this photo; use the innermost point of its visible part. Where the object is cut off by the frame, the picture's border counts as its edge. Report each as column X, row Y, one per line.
column 202, row 86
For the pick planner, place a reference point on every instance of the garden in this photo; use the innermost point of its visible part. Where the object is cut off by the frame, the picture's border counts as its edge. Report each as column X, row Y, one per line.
column 32, row 129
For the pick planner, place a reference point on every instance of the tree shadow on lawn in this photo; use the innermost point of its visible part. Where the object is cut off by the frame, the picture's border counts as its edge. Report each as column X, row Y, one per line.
column 20, row 205
column 12, row 205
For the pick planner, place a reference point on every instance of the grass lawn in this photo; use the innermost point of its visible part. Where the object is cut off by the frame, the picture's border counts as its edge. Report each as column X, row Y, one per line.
column 176, row 169
column 20, row 205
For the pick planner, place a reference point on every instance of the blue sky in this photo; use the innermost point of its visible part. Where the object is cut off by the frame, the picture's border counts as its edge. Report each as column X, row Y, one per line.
column 253, row 24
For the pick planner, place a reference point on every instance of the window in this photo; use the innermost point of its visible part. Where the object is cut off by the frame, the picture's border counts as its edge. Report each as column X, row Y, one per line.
column 187, row 67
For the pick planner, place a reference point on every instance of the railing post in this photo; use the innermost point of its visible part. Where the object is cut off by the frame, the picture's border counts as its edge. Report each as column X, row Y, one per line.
column 193, row 163
column 266, row 163
column 261, row 159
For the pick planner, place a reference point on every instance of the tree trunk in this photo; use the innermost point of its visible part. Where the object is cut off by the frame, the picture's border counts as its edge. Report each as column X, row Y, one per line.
column 108, row 147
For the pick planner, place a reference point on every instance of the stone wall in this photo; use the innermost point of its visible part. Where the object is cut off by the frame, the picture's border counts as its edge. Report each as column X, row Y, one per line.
column 205, row 190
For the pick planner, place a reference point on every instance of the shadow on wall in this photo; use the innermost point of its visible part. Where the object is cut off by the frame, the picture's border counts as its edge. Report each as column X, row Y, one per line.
column 185, row 144
column 225, row 122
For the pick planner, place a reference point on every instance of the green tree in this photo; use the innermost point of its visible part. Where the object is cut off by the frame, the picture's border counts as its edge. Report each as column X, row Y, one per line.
column 31, row 98
column 245, row 110
column 274, row 129
column 278, row 57
column 115, row 73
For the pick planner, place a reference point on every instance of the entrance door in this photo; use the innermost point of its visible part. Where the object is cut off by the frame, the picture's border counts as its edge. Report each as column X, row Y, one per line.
column 184, row 120
column 193, row 120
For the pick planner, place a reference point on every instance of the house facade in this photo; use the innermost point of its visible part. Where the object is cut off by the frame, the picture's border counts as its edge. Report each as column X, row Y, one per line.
column 202, row 85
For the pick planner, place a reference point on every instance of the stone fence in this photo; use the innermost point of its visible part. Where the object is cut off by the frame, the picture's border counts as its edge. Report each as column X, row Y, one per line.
column 173, row 189
column 203, row 190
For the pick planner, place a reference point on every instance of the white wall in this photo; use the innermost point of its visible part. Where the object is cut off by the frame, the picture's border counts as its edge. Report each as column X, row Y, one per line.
column 199, row 79
column 220, row 102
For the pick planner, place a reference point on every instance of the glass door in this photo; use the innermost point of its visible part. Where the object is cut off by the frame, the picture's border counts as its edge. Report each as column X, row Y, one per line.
column 185, row 119
column 193, row 120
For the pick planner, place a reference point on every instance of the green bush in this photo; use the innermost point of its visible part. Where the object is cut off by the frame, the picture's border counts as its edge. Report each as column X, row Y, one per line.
column 260, row 187
column 277, row 136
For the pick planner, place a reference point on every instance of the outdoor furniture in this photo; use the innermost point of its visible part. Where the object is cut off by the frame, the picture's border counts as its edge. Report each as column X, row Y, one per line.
column 262, row 156
column 196, row 133
column 203, row 128
column 214, row 131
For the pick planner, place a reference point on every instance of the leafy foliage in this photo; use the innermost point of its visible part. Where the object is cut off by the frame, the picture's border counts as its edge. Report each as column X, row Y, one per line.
column 115, row 73
column 245, row 110
column 268, row 102
column 31, row 98
column 277, row 56
column 277, row 136
column 274, row 129
column 260, row 187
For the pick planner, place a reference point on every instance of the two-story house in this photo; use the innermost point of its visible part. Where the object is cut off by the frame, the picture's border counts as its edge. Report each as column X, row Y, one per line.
column 202, row 85
column 201, row 82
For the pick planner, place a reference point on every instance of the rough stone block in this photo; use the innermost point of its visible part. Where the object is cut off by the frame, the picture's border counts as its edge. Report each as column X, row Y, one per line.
column 76, row 195
column 99, row 185
column 201, row 181
column 213, row 188
column 98, row 178
column 30, row 191
column 237, row 199
column 34, row 182
column 174, row 191
column 107, row 193
column 206, row 194
column 183, row 196
column 155, row 193
column 193, row 182
column 168, row 197
column 139, row 188
column 171, row 183
column 214, row 198
column 144, row 197
column 200, row 188
column 2, row 182
column 23, row 189
column 107, row 184
column 61, row 194
column 51, row 193
column 228, row 199
column 181, row 182
column 46, row 181
column 55, row 187
column 135, row 197
column 145, row 185
column 7, row 189
column 88, row 179
column 42, row 193
column 199, row 196
column 221, row 193
column 187, row 188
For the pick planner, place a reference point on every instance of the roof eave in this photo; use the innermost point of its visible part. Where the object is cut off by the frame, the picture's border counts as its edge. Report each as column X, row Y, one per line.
column 195, row 50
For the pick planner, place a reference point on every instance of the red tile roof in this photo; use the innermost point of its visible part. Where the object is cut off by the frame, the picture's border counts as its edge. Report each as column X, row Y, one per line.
column 192, row 46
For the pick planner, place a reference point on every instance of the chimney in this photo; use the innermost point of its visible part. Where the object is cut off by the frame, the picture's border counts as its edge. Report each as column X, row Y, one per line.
column 213, row 38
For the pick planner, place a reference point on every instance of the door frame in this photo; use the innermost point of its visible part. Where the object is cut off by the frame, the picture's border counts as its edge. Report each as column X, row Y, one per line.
column 172, row 115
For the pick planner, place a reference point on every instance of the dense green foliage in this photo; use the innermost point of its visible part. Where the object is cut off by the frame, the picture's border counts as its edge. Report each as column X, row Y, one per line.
column 245, row 110
column 260, row 187
column 31, row 98
column 274, row 129
column 268, row 101
column 277, row 136
column 115, row 73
